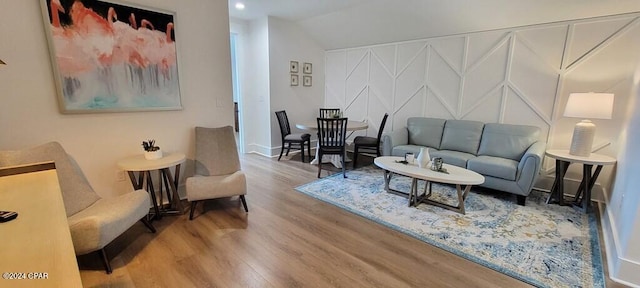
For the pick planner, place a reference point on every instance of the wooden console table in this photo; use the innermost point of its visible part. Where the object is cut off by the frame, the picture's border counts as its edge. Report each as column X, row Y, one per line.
column 36, row 247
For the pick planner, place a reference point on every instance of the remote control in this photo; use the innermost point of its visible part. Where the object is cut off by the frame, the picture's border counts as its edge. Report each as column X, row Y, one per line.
column 7, row 216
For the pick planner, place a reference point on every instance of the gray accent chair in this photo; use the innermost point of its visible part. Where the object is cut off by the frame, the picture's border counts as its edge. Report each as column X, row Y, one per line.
column 217, row 171
column 508, row 156
column 93, row 221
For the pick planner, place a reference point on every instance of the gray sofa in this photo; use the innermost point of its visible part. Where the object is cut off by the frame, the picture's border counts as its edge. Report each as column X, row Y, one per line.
column 508, row 156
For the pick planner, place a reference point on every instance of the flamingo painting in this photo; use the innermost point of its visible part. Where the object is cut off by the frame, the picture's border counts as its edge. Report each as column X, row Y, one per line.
column 104, row 63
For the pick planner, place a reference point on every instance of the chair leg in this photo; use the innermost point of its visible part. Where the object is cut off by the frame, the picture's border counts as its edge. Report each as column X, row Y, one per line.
column 288, row 148
column 521, row 199
column 105, row 260
column 244, row 203
column 146, row 222
column 193, row 208
column 344, row 174
column 302, row 151
column 281, row 150
column 319, row 163
column 309, row 149
column 355, row 156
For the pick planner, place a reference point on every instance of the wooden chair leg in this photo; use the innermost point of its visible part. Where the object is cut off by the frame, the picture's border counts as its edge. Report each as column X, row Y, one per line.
column 146, row 222
column 302, row 151
column 193, row 208
column 309, row 149
column 288, row 148
column 105, row 260
column 244, row 203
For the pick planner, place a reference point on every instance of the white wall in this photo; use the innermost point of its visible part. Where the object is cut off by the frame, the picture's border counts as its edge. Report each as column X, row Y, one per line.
column 520, row 76
column 270, row 43
column 288, row 43
column 29, row 113
column 254, row 80
column 622, row 216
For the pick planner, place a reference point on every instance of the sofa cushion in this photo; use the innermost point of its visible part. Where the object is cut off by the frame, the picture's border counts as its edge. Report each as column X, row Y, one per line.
column 400, row 150
column 452, row 157
column 494, row 166
column 462, row 136
column 425, row 131
column 507, row 141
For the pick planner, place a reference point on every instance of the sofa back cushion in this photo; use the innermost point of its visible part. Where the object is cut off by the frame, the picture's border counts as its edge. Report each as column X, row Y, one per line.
column 507, row 140
column 425, row 131
column 462, row 135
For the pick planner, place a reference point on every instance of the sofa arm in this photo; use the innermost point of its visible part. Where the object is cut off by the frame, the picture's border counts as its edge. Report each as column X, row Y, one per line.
column 393, row 139
column 529, row 166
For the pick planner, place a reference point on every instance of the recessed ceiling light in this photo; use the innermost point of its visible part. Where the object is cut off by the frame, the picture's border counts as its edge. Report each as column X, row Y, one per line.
column 240, row 6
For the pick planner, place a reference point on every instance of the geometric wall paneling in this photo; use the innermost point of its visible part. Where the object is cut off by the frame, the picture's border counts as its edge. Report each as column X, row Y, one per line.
column 480, row 44
column 443, row 81
column 375, row 111
column 435, row 107
column 406, row 54
column 586, row 36
column 485, row 77
column 355, row 58
column 518, row 111
column 607, row 61
column 487, row 110
column 452, row 50
column 411, row 78
column 386, row 55
column 332, row 100
column 535, row 77
column 413, row 107
column 381, row 81
column 546, row 42
column 357, row 77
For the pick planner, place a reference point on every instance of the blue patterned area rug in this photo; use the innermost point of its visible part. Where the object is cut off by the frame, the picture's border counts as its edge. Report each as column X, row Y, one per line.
column 543, row 245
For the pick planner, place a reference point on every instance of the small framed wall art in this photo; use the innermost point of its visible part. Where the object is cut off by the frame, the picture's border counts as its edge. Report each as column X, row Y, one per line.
column 306, row 81
column 306, row 69
column 294, row 80
column 293, row 66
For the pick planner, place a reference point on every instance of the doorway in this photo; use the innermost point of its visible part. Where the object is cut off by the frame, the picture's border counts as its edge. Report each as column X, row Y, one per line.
column 237, row 99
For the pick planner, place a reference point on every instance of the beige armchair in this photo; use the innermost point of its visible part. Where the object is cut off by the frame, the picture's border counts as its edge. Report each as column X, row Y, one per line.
column 217, row 172
column 93, row 221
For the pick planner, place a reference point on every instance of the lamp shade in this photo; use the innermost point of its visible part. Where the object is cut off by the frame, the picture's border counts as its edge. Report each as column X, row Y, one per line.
column 589, row 105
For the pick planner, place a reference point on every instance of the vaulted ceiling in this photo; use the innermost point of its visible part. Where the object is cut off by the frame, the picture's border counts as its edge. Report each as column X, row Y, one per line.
column 350, row 23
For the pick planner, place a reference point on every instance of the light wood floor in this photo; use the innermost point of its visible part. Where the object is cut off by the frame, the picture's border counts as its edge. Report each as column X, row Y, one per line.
column 287, row 239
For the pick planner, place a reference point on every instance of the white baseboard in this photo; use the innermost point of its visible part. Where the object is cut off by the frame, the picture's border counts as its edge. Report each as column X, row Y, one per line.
column 621, row 270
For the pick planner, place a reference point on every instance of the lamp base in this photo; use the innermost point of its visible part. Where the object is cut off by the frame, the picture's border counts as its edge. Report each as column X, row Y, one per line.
column 582, row 139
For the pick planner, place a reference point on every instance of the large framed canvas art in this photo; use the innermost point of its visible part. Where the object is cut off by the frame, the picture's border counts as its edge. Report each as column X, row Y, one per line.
column 110, row 56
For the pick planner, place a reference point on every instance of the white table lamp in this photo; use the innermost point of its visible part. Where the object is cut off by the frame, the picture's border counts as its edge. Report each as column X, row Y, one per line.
column 587, row 105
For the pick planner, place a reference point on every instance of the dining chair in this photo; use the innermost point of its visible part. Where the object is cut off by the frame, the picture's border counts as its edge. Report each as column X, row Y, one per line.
column 93, row 221
column 369, row 144
column 217, row 171
column 331, row 139
column 297, row 139
column 329, row 112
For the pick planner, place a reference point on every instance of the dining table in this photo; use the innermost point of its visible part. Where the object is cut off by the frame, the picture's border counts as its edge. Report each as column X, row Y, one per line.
column 352, row 126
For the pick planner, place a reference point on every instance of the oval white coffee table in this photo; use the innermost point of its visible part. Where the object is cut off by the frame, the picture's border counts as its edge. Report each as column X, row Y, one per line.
column 454, row 175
